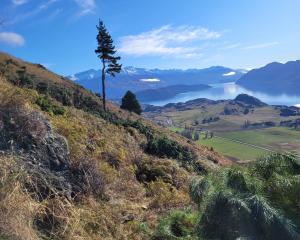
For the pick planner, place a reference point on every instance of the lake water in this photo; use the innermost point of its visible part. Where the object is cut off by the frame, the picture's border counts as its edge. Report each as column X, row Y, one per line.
column 230, row 91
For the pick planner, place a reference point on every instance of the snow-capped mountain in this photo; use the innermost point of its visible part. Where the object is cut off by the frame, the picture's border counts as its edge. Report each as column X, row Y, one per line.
column 138, row 79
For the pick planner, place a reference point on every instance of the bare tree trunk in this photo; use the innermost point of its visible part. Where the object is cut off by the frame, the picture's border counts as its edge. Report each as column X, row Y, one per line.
column 103, row 85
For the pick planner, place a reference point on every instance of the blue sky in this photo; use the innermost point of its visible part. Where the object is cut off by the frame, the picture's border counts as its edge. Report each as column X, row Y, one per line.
column 152, row 33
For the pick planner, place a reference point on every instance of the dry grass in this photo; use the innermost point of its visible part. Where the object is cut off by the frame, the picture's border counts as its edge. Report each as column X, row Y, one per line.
column 17, row 208
column 129, row 206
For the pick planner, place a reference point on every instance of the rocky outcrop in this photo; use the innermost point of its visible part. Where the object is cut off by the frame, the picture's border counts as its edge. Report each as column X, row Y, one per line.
column 29, row 137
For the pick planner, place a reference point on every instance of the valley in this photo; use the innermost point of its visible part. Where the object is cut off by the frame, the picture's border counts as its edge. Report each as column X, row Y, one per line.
column 242, row 131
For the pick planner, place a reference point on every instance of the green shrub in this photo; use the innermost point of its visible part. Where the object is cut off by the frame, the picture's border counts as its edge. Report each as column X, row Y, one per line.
column 236, row 180
column 198, row 189
column 149, row 170
column 283, row 164
column 178, row 225
column 162, row 146
column 46, row 105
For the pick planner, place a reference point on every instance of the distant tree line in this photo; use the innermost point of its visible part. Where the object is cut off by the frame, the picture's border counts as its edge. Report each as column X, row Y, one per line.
column 196, row 135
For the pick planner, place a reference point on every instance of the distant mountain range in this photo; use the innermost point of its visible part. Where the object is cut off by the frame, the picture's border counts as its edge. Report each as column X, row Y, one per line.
column 274, row 78
column 139, row 79
column 168, row 92
column 157, row 84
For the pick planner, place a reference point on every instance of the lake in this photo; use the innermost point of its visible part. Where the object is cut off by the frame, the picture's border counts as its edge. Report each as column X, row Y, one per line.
column 230, row 91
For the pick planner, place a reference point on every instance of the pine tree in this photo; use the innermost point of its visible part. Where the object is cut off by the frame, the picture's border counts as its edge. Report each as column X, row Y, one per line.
column 130, row 103
column 106, row 52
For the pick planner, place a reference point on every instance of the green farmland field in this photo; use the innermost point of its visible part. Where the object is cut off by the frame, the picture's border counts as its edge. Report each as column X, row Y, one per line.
column 277, row 138
column 251, row 144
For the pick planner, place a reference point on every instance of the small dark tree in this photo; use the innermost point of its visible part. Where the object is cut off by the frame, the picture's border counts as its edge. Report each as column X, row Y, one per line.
column 106, row 52
column 196, row 136
column 130, row 103
column 187, row 133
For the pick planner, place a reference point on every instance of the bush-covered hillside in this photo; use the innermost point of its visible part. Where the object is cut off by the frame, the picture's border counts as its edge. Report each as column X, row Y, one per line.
column 69, row 170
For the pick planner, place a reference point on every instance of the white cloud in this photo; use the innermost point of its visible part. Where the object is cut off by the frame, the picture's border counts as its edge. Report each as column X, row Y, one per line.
column 167, row 41
column 150, row 80
column 37, row 10
column 229, row 74
column 12, row 39
column 86, row 6
column 261, row 45
column 19, row 2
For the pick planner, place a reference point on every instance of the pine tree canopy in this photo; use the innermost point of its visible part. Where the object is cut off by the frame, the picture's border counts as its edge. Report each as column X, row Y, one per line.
column 130, row 103
column 106, row 51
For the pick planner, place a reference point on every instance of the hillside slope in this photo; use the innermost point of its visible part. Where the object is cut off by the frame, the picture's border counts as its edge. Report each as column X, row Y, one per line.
column 71, row 171
column 274, row 78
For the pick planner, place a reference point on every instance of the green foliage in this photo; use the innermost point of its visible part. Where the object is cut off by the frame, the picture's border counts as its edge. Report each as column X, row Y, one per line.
column 258, row 202
column 24, row 79
column 187, row 133
column 196, row 136
column 147, row 172
column 130, row 103
column 162, row 146
column 106, row 52
column 236, row 180
column 230, row 216
column 198, row 189
column 283, row 164
column 48, row 106
column 177, row 225
column 4, row 237
column 42, row 87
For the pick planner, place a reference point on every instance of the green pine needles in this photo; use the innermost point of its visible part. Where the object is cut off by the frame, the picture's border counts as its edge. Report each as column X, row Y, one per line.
column 107, row 54
column 260, row 201
column 130, row 103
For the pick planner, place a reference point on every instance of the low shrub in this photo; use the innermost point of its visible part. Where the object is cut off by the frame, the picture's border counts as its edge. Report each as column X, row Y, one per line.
column 149, row 171
column 87, row 180
column 47, row 105
column 112, row 159
column 177, row 225
column 236, row 180
column 162, row 146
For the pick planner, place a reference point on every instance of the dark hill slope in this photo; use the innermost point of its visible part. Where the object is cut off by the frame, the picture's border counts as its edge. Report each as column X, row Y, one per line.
column 274, row 78
column 68, row 170
column 249, row 100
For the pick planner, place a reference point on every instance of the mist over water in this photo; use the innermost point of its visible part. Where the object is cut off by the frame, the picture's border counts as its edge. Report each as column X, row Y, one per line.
column 230, row 91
